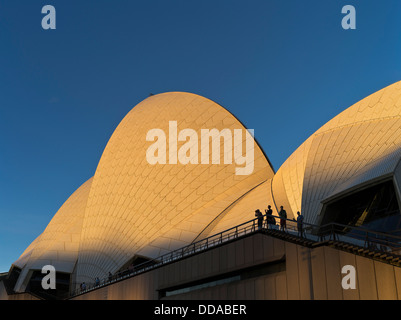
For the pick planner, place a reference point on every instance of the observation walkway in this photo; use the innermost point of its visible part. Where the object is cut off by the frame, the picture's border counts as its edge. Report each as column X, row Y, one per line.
column 357, row 240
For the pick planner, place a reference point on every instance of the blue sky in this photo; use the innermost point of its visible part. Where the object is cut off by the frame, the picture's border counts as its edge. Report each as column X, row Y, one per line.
column 283, row 67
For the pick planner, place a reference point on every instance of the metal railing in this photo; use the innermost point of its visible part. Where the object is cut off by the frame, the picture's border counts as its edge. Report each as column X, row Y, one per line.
column 333, row 231
column 193, row 248
column 372, row 240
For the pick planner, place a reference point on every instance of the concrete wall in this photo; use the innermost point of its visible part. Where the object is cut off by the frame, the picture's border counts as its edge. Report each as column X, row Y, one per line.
column 3, row 293
column 233, row 256
column 309, row 274
column 375, row 280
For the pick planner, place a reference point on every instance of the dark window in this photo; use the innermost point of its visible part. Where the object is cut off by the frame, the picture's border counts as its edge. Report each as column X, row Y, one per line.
column 374, row 208
column 12, row 279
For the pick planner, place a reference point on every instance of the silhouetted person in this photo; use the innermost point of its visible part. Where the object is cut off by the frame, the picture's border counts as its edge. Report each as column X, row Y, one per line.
column 283, row 219
column 300, row 220
column 110, row 276
column 269, row 217
column 259, row 215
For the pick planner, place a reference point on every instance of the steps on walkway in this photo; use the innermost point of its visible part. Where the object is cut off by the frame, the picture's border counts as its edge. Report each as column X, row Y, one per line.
column 388, row 257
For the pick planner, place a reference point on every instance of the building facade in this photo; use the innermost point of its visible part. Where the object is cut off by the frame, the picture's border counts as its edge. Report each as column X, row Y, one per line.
column 180, row 168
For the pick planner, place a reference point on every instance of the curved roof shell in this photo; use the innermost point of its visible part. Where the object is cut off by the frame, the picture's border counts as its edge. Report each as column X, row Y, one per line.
column 134, row 207
column 58, row 245
column 149, row 209
column 360, row 145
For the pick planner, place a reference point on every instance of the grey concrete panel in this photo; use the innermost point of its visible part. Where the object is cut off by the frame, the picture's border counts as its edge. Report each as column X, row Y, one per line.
column 385, row 281
column 215, row 261
column 279, row 247
column 281, row 286
column 333, row 274
column 259, row 289
column 223, row 258
column 291, row 257
column 397, row 276
column 239, row 253
column 270, row 288
column 258, row 247
column 304, row 273
column 231, row 258
column 249, row 248
column 250, row 289
column 319, row 274
column 268, row 248
column 366, row 278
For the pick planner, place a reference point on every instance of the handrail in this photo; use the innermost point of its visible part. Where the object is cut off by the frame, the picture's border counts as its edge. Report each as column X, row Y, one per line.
column 367, row 238
column 343, row 226
column 331, row 231
column 195, row 247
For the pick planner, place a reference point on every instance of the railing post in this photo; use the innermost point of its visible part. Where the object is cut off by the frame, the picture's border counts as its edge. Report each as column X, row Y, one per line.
column 367, row 240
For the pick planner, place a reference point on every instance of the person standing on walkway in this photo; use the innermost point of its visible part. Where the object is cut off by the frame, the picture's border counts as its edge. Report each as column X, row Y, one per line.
column 300, row 220
column 270, row 221
column 283, row 219
column 259, row 215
